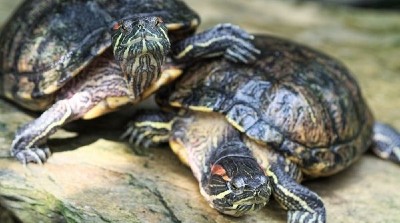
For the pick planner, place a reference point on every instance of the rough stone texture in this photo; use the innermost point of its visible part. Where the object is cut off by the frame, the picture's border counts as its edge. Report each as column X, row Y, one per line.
column 93, row 177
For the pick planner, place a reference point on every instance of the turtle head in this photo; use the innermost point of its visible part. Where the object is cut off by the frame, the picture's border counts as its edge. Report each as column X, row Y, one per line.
column 140, row 46
column 230, row 178
column 236, row 184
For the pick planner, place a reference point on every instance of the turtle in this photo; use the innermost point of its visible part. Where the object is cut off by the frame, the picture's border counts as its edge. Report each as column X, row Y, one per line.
column 249, row 131
column 81, row 59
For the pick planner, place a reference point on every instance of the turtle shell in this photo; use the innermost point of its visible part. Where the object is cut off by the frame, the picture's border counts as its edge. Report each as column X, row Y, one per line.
column 46, row 43
column 304, row 103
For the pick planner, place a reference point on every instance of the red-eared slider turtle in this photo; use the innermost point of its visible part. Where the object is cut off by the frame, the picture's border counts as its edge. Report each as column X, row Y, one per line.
column 56, row 56
column 248, row 131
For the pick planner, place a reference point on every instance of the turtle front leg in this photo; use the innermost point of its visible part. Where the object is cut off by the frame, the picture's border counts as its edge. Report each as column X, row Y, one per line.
column 98, row 90
column 386, row 142
column 29, row 144
column 303, row 205
column 224, row 39
column 149, row 128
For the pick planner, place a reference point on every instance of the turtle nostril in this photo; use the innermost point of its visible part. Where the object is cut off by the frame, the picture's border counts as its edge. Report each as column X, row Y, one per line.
column 258, row 182
column 237, row 185
column 158, row 21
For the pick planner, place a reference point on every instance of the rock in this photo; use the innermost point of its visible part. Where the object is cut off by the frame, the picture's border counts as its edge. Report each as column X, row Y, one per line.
column 94, row 177
column 6, row 216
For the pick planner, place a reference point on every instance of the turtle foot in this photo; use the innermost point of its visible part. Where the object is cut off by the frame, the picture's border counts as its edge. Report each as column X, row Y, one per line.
column 225, row 39
column 134, row 136
column 143, row 136
column 32, row 155
column 29, row 144
column 307, row 217
column 240, row 48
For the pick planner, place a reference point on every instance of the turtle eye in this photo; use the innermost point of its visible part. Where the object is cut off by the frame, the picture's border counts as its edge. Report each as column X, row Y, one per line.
column 158, row 21
column 120, row 26
column 124, row 28
column 116, row 26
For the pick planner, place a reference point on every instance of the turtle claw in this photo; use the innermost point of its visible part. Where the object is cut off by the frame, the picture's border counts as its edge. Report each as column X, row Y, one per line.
column 33, row 155
column 22, row 149
column 144, row 136
column 133, row 136
column 43, row 153
column 238, row 42
column 139, row 140
column 147, row 144
column 236, row 54
column 136, row 136
column 235, row 29
column 225, row 39
column 130, row 134
column 29, row 144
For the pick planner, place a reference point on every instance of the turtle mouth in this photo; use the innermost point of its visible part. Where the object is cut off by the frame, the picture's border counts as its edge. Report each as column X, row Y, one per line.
column 243, row 209
column 234, row 203
column 249, row 201
column 244, row 206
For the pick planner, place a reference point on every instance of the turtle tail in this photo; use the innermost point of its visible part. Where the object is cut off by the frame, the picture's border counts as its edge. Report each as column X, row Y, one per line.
column 386, row 142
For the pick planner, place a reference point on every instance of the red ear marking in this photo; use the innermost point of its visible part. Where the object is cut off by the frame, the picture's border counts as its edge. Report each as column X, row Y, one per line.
column 116, row 26
column 218, row 170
